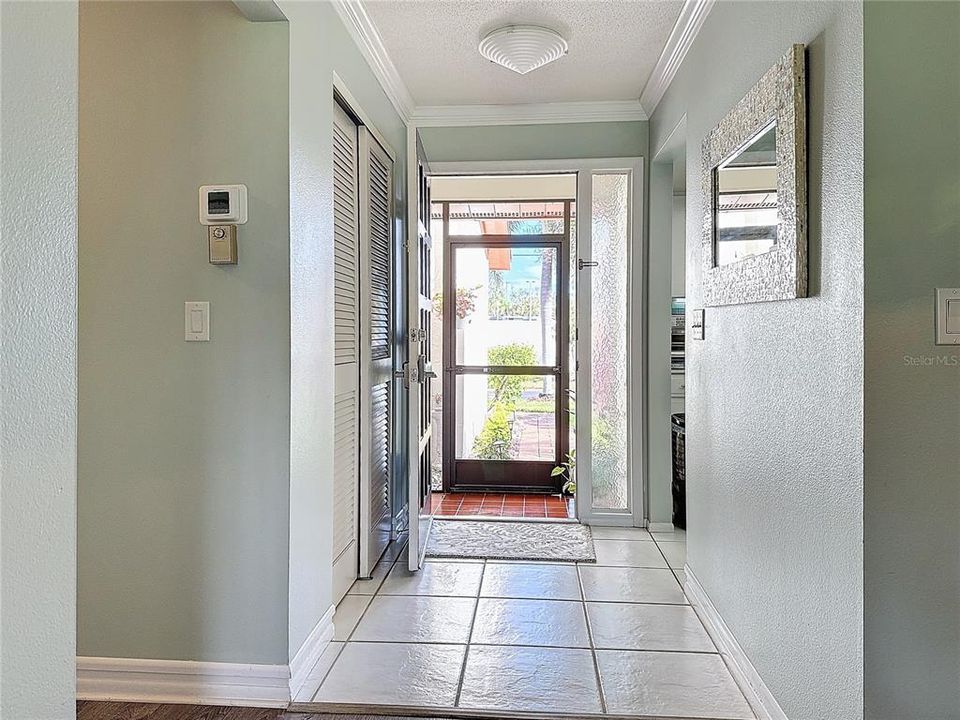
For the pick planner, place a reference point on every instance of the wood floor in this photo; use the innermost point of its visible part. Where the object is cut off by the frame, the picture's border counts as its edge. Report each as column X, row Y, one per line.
column 136, row 711
column 87, row 710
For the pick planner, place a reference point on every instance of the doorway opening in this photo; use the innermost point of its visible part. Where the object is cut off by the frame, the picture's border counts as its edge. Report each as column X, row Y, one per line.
column 502, row 326
column 667, row 344
column 532, row 315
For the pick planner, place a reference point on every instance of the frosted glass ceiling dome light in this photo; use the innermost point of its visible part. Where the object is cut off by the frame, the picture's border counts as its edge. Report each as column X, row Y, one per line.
column 523, row 48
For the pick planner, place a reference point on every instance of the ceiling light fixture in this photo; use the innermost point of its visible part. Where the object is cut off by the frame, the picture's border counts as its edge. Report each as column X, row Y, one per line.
column 523, row 48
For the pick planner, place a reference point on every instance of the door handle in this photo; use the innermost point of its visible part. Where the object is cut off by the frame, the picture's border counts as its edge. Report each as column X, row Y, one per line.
column 425, row 368
column 581, row 264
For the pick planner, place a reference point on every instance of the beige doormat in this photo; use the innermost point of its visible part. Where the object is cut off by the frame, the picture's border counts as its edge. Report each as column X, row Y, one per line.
column 492, row 540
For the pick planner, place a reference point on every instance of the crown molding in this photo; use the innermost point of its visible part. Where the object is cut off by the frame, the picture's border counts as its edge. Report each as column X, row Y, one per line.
column 527, row 114
column 367, row 38
column 692, row 16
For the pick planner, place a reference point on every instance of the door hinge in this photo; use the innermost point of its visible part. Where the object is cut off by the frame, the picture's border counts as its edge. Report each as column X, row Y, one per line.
column 417, row 335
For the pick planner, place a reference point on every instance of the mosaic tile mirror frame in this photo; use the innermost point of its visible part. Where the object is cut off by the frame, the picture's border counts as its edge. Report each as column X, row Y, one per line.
column 754, row 170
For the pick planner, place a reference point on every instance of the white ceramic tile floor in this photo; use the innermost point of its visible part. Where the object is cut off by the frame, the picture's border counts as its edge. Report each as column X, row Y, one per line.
column 348, row 614
column 538, row 581
column 437, row 577
column 624, row 553
column 675, row 553
column 515, row 637
column 620, row 533
column 545, row 680
column 550, row 623
column 416, row 619
column 632, row 626
column 675, row 684
column 637, row 585
column 418, row 675
column 318, row 672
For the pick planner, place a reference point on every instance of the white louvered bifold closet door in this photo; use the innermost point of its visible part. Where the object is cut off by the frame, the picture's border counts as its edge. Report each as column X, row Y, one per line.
column 376, row 338
column 346, row 304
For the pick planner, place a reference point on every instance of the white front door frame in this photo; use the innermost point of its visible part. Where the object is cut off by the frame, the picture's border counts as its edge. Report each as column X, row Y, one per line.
column 585, row 167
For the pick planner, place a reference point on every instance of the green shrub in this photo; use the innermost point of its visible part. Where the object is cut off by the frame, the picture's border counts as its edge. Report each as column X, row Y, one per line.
column 508, row 388
column 494, row 440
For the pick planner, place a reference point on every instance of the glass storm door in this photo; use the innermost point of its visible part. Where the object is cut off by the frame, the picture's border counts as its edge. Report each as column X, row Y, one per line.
column 506, row 334
column 609, row 352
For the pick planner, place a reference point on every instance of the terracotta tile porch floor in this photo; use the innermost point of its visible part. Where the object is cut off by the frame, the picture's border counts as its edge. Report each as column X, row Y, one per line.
column 506, row 505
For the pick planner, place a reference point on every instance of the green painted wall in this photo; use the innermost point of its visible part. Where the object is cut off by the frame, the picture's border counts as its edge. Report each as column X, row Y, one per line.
column 560, row 141
column 912, row 393
column 205, row 523
column 184, row 447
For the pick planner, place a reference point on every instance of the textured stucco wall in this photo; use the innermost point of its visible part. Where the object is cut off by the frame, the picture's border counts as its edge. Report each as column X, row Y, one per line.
column 184, row 447
column 912, row 392
column 775, row 392
column 319, row 46
column 38, row 392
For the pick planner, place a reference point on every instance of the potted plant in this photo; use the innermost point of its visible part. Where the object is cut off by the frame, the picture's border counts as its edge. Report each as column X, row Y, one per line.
column 566, row 471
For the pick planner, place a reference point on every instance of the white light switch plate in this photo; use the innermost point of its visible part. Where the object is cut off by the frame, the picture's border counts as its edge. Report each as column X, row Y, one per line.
column 948, row 316
column 696, row 324
column 196, row 321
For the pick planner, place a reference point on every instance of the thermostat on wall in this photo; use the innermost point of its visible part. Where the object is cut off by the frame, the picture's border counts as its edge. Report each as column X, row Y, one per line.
column 223, row 204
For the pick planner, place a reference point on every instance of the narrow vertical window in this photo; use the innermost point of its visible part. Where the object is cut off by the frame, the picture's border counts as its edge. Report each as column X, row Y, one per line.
column 609, row 341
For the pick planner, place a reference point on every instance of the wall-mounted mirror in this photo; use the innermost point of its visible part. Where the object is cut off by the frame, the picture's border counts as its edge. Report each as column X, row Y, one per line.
column 745, row 200
column 754, row 178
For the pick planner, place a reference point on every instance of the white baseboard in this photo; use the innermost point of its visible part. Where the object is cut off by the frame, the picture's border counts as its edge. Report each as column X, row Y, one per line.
column 660, row 527
column 182, row 682
column 762, row 701
column 310, row 652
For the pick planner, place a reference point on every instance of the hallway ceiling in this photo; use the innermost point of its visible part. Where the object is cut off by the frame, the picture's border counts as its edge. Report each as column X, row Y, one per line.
column 614, row 46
